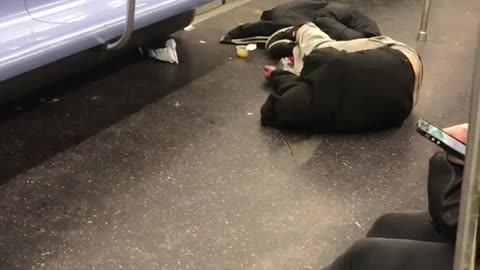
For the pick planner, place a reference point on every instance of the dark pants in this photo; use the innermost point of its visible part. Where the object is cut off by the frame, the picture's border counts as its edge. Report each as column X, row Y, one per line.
column 403, row 241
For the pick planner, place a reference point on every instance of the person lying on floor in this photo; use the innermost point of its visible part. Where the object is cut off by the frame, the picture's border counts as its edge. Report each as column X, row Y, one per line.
column 421, row 240
column 339, row 86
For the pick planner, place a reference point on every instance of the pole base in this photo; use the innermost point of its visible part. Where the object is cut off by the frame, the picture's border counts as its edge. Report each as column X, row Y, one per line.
column 422, row 36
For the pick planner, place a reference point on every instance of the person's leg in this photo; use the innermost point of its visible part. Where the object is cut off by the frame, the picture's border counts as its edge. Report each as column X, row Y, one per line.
column 408, row 225
column 309, row 38
column 394, row 254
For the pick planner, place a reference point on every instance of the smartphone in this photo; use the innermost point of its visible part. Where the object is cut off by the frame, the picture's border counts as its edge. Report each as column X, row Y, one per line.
column 439, row 137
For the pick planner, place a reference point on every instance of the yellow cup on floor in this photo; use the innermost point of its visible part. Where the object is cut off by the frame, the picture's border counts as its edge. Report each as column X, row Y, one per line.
column 242, row 51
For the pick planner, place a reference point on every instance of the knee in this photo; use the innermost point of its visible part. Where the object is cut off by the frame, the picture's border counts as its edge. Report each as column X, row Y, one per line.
column 364, row 249
column 306, row 27
column 382, row 225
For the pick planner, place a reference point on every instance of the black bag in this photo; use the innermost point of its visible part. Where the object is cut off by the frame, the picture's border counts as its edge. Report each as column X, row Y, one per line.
column 444, row 192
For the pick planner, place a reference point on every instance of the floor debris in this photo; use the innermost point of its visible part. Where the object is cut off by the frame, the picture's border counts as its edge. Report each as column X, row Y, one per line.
column 190, row 28
column 167, row 54
column 178, row 105
column 251, row 47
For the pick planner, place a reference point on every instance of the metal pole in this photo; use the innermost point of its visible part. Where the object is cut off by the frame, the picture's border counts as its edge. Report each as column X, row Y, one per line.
column 465, row 250
column 422, row 33
column 127, row 33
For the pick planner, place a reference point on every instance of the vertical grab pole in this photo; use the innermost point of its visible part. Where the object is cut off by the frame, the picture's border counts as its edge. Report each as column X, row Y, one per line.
column 422, row 33
column 465, row 250
column 128, row 30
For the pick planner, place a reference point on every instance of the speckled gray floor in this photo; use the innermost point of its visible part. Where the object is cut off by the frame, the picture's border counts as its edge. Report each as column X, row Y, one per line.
column 141, row 165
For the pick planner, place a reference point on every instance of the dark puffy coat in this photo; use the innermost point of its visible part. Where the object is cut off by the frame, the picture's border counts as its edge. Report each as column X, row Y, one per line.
column 342, row 92
column 339, row 21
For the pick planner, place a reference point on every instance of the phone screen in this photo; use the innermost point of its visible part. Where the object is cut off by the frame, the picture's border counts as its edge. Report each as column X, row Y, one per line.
column 446, row 139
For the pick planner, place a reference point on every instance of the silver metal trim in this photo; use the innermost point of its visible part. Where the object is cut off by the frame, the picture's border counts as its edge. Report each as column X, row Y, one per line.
column 465, row 250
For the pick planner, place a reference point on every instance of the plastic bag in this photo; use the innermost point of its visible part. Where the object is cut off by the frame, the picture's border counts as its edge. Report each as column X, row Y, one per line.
column 167, row 54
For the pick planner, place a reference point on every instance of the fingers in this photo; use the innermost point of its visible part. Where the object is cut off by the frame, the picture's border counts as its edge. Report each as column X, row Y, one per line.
column 267, row 71
column 269, row 68
column 460, row 132
column 455, row 160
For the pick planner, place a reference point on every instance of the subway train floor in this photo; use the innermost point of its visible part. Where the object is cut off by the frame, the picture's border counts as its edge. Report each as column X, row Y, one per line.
column 144, row 165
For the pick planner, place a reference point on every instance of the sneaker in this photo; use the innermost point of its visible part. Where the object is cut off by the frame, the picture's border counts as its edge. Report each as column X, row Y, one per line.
column 282, row 34
column 281, row 43
column 280, row 49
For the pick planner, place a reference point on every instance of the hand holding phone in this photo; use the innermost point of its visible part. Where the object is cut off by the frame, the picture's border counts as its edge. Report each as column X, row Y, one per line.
column 460, row 132
column 443, row 139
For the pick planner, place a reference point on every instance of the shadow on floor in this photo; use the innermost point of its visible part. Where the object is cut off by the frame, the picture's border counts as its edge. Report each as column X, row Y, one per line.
column 52, row 120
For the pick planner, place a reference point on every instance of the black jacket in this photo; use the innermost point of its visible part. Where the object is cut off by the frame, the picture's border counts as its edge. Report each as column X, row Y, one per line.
column 339, row 21
column 342, row 92
column 444, row 190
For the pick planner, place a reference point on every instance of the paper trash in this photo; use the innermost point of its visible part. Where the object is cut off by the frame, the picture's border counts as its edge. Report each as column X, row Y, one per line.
column 251, row 47
column 167, row 54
